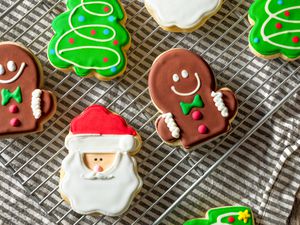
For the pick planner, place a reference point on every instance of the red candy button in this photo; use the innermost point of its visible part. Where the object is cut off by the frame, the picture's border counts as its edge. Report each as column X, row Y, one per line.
column 202, row 129
column 13, row 109
column 231, row 219
column 295, row 39
column 287, row 13
column 197, row 115
column 15, row 122
column 278, row 26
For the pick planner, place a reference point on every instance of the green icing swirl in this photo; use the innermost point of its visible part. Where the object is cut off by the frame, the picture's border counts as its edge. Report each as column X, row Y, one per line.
column 276, row 27
column 224, row 215
column 90, row 37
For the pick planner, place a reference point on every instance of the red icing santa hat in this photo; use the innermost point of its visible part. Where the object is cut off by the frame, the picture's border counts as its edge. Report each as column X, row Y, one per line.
column 99, row 130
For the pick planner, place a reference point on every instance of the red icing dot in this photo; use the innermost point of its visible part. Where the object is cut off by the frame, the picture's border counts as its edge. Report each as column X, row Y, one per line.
column 93, row 32
column 197, row 115
column 278, row 25
column 13, row 109
column 71, row 40
column 116, row 42
column 295, row 39
column 202, row 129
column 15, row 122
column 231, row 219
column 106, row 9
column 105, row 59
column 287, row 13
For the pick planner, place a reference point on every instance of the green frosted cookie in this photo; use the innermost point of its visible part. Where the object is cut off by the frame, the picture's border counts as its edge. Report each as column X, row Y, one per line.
column 91, row 39
column 276, row 28
column 235, row 215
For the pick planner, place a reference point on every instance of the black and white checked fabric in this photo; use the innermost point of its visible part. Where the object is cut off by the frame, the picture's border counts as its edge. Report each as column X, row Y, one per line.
column 263, row 172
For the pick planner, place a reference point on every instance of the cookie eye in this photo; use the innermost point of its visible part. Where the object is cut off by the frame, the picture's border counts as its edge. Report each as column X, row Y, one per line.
column 95, row 159
column 184, row 74
column 101, row 159
column 175, row 78
column 11, row 66
column 2, row 70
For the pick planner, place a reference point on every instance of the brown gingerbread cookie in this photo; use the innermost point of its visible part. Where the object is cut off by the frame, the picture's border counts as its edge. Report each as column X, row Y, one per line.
column 183, row 88
column 25, row 107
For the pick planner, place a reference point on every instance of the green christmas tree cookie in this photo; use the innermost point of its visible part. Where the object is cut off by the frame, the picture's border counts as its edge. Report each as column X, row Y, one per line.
column 276, row 28
column 90, row 38
column 235, row 215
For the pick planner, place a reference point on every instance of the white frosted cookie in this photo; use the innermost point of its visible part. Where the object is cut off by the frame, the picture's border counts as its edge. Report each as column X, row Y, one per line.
column 180, row 15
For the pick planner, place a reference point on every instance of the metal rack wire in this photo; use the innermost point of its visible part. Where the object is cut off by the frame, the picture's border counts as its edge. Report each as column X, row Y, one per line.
column 170, row 174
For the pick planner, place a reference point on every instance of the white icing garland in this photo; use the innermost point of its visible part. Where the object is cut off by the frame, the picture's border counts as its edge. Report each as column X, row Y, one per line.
column 275, row 16
column 171, row 124
column 36, row 103
column 217, row 97
column 73, row 29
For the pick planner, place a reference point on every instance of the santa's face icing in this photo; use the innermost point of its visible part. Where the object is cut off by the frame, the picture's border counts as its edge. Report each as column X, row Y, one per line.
column 99, row 162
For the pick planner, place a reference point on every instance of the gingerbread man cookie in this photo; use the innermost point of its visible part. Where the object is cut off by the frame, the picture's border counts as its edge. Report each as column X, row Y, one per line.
column 275, row 31
column 183, row 88
column 230, row 215
column 91, row 39
column 25, row 107
column 99, row 174
column 180, row 15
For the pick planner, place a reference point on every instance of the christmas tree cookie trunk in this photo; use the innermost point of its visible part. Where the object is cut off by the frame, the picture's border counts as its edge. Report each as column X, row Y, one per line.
column 235, row 215
column 91, row 39
column 276, row 29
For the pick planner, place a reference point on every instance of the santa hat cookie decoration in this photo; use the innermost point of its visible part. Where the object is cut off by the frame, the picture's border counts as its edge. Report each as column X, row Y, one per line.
column 99, row 175
column 97, row 129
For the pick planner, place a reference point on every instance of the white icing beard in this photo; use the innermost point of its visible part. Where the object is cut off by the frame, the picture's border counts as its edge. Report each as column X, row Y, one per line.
column 184, row 14
column 109, row 192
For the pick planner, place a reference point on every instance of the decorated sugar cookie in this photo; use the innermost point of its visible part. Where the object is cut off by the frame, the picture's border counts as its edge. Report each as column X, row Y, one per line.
column 276, row 29
column 99, row 174
column 232, row 215
column 183, row 88
column 91, row 39
column 180, row 15
column 25, row 107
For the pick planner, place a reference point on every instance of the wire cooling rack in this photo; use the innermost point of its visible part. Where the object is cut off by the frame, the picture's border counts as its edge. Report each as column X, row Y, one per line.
column 169, row 174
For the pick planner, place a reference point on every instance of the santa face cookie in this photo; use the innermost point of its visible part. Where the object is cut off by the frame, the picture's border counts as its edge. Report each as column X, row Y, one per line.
column 180, row 15
column 91, row 39
column 24, row 106
column 99, row 174
column 233, row 215
column 275, row 31
column 182, row 87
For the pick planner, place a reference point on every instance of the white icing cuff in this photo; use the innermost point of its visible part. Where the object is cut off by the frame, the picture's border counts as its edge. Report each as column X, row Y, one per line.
column 171, row 124
column 220, row 103
column 36, row 103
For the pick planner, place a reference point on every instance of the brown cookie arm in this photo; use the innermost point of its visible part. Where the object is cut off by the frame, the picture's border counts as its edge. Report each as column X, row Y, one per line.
column 42, row 103
column 230, row 102
column 167, row 128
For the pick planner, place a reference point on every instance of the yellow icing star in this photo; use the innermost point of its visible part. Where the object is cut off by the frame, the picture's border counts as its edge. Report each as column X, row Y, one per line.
column 244, row 216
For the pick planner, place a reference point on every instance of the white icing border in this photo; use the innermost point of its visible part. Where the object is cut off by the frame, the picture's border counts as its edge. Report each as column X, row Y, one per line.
column 219, row 103
column 171, row 124
column 90, row 143
column 36, row 103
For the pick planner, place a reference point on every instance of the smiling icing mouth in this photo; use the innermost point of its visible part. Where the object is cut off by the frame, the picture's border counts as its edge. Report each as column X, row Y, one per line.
column 188, row 93
column 16, row 76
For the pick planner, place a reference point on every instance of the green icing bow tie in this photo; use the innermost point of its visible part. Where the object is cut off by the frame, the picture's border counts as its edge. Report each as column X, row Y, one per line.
column 7, row 95
column 187, row 107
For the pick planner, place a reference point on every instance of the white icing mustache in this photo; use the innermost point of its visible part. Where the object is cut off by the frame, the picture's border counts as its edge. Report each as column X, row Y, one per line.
column 13, row 79
column 96, row 176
